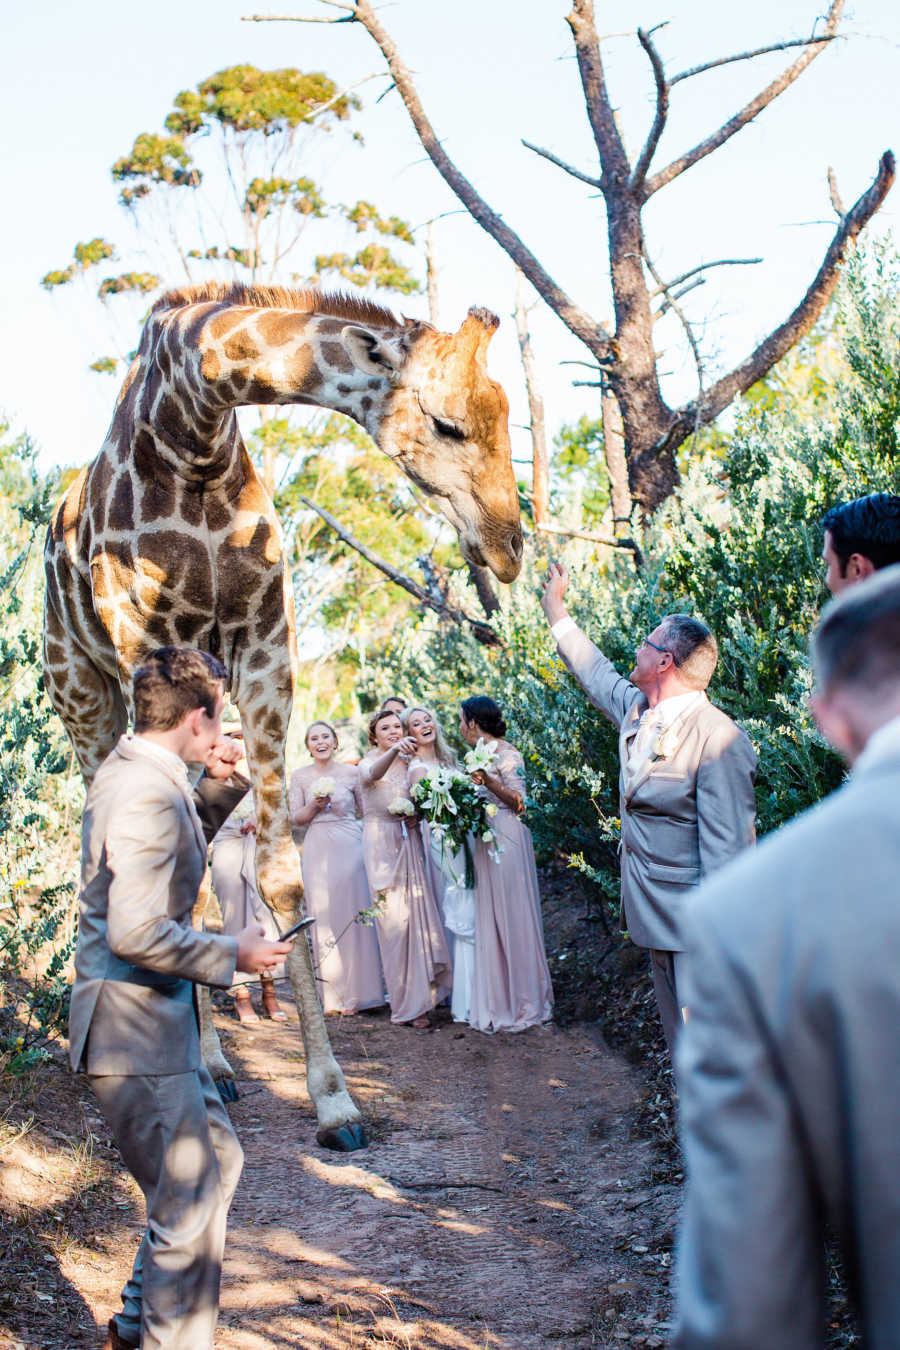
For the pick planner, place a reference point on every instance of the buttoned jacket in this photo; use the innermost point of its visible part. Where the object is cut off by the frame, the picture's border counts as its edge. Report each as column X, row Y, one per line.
column 685, row 812
column 789, row 1079
column 137, row 956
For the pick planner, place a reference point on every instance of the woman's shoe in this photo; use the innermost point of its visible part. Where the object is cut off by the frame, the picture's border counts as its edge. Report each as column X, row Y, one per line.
column 271, row 1007
column 243, row 1006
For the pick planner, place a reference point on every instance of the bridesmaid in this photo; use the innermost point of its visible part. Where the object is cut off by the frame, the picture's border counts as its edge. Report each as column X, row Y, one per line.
column 447, row 870
column 334, row 877
column 233, row 867
column 512, row 989
column 410, row 934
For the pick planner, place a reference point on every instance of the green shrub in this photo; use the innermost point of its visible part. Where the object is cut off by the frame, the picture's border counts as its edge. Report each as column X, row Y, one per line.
column 37, row 788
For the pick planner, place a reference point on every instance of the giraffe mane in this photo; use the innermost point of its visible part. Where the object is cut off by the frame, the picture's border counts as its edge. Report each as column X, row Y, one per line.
column 338, row 304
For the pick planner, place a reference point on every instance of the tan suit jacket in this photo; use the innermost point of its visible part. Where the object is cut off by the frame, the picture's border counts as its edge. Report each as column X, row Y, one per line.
column 789, row 1079
column 683, row 815
column 143, row 858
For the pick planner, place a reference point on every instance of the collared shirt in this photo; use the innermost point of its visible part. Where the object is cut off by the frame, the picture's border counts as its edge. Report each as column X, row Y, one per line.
column 160, row 754
column 882, row 744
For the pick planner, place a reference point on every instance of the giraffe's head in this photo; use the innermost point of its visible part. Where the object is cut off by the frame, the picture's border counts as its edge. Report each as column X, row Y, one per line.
column 446, row 423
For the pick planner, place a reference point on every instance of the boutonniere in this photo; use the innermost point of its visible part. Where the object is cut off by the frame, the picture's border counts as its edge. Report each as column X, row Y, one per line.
column 662, row 745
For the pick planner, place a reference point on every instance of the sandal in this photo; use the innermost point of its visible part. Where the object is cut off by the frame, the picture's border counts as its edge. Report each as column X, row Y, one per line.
column 243, row 1006
column 422, row 1023
column 271, row 1007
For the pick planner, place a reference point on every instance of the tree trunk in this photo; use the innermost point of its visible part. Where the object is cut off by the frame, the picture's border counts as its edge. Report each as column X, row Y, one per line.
column 616, row 462
column 540, row 465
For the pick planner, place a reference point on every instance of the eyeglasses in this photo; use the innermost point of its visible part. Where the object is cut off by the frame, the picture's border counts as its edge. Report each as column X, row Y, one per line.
column 656, row 647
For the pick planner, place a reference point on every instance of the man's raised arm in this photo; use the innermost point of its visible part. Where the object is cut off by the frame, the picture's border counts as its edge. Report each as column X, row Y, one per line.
column 605, row 687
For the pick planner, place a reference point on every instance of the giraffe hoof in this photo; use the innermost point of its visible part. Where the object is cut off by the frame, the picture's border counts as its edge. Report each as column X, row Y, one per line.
column 227, row 1089
column 345, row 1138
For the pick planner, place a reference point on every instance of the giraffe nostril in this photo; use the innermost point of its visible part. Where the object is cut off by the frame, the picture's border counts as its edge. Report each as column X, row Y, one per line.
column 515, row 544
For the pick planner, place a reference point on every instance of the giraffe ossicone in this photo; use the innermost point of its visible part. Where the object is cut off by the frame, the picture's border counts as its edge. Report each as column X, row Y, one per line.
column 168, row 537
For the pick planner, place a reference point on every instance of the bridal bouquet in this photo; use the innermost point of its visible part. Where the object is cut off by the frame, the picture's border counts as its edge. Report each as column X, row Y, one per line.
column 481, row 757
column 451, row 804
column 322, row 787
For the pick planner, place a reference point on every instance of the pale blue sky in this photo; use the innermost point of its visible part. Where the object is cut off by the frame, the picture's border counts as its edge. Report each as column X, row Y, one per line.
column 79, row 82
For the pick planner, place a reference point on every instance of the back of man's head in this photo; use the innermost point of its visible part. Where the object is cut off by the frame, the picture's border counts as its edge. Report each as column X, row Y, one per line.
column 856, row 647
column 869, row 526
column 694, row 650
column 172, row 682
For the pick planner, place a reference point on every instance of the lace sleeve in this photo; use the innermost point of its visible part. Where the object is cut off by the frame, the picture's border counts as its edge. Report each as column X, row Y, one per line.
column 511, row 771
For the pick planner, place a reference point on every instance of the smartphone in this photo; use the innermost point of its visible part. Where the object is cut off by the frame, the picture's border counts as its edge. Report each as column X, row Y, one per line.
column 297, row 928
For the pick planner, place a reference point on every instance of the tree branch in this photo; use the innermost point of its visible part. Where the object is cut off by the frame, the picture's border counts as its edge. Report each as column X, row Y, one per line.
column 799, row 323
column 672, row 303
column 662, row 110
column 607, row 138
column 749, row 111
column 575, row 319
column 628, row 545
column 747, row 56
column 834, row 193
column 561, row 164
column 482, row 631
column 677, row 295
column 703, row 267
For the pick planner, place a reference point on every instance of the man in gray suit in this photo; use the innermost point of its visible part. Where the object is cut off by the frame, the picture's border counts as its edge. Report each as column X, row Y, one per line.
column 789, row 1066
column 132, row 1024
column 686, row 777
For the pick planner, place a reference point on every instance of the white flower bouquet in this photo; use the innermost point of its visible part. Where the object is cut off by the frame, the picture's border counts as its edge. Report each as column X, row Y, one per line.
column 481, row 757
column 451, row 804
column 401, row 806
column 322, row 787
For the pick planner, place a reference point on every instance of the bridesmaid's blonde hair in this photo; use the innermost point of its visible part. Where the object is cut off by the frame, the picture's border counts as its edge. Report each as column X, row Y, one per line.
column 443, row 751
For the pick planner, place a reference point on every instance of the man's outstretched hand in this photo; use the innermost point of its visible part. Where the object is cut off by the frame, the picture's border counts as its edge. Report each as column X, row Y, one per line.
column 221, row 760
column 256, row 953
column 553, row 601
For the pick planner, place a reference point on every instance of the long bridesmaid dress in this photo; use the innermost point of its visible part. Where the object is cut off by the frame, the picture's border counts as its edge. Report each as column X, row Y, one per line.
column 511, row 989
column 411, row 939
column 348, row 969
column 233, row 868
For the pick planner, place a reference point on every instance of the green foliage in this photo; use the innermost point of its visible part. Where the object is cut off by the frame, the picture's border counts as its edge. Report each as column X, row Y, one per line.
column 36, row 921
column 739, row 546
column 86, row 256
column 245, row 99
column 141, row 282
column 104, row 365
column 373, row 265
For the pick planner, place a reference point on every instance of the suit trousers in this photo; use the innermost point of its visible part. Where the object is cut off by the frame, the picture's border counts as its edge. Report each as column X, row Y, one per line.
column 664, row 969
column 179, row 1145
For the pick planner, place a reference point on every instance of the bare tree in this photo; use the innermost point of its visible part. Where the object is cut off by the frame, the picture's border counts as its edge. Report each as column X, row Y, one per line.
column 540, row 460
column 625, row 355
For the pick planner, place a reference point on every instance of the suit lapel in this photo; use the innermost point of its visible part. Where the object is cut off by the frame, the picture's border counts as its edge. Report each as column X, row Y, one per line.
column 674, row 735
column 127, row 749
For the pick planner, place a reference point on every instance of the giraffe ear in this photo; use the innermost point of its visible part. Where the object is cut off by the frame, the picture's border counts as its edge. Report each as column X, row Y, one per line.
column 371, row 353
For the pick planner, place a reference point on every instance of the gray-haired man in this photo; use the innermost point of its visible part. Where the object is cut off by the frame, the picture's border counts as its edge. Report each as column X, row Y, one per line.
column 789, row 1067
column 686, row 776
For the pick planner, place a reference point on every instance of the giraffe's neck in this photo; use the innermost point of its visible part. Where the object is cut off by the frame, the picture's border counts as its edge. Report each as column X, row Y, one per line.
column 258, row 356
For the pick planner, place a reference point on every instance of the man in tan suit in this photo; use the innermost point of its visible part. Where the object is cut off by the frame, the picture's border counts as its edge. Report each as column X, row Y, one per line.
column 789, row 1066
column 686, row 776
column 132, row 1025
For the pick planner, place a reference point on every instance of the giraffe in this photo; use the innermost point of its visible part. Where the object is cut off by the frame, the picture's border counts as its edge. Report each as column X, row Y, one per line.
column 168, row 536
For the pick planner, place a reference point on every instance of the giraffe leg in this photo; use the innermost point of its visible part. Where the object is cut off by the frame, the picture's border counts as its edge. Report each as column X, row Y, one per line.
column 89, row 700
column 207, row 908
column 264, row 722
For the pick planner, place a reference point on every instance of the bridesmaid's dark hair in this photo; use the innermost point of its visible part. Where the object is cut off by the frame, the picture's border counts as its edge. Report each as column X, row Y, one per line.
column 486, row 714
column 379, row 717
column 320, row 723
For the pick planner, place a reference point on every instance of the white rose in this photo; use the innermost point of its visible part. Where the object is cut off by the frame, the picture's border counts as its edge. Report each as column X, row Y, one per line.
column 490, row 809
column 323, row 787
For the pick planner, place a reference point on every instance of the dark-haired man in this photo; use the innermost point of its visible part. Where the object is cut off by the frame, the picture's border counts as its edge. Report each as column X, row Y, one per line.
column 789, row 1066
column 861, row 537
column 132, row 1026
column 686, row 776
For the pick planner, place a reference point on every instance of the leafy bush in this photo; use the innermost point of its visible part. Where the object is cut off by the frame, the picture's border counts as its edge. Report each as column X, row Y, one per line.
column 36, row 792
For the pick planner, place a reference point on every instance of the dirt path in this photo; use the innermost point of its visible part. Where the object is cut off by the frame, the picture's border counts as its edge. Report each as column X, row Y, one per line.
column 506, row 1200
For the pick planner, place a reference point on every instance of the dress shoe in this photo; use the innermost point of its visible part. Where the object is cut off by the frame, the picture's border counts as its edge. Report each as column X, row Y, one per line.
column 115, row 1341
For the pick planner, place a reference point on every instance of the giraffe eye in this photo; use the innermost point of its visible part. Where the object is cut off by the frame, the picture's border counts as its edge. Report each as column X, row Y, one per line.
column 453, row 433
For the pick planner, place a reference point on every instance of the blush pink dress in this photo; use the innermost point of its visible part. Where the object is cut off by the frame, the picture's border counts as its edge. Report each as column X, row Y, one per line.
column 411, row 939
column 511, row 989
column 334, row 878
